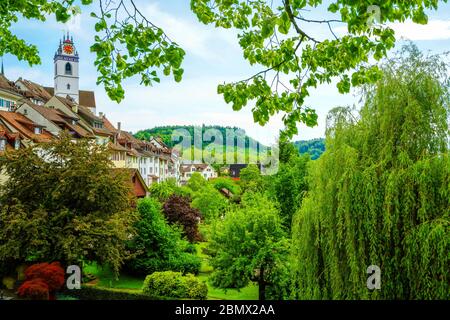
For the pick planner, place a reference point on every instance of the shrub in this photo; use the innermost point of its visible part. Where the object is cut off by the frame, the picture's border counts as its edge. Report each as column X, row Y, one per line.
column 175, row 285
column 177, row 210
column 210, row 203
column 163, row 190
column 8, row 282
column 168, row 283
column 42, row 280
column 251, row 179
column 185, row 263
column 51, row 273
column 226, row 183
column 35, row 289
column 157, row 245
column 195, row 289
column 196, row 182
column 190, row 248
column 99, row 293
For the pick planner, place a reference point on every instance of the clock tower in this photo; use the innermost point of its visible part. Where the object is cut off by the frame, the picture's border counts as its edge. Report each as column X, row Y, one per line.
column 66, row 69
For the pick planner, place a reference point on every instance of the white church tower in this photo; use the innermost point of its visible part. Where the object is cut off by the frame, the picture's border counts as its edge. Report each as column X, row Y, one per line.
column 66, row 69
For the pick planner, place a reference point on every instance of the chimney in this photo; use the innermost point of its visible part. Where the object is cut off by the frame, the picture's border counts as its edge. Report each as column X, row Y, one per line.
column 118, row 126
column 101, row 115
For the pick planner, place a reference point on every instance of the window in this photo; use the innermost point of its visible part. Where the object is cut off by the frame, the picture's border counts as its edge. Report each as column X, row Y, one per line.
column 68, row 86
column 2, row 144
column 17, row 144
column 56, row 69
column 68, row 68
column 37, row 130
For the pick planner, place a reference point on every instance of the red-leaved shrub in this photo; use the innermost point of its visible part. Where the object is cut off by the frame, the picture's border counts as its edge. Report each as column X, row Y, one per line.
column 42, row 280
column 178, row 210
column 51, row 273
column 35, row 289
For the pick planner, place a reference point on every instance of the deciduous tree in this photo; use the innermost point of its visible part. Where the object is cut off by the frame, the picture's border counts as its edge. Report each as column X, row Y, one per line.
column 211, row 203
column 178, row 210
column 62, row 202
column 196, row 182
column 249, row 245
column 158, row 246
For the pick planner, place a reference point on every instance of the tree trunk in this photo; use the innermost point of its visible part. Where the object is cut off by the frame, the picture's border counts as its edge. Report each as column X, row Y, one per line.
column 262, row 286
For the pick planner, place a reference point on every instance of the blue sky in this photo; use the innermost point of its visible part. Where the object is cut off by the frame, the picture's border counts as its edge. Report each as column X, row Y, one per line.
column 213, row 57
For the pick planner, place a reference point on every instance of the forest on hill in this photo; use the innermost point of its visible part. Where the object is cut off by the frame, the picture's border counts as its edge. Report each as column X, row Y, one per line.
column 166, row 134
column 314, row 147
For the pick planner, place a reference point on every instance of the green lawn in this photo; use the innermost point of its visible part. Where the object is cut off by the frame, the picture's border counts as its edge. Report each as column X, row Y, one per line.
column 107, row 279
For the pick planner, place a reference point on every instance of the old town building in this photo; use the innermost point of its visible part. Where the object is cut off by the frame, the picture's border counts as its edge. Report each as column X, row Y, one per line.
column 31, row 113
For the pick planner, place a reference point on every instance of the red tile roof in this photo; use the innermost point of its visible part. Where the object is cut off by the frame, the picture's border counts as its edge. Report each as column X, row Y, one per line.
column 8, row 85
column 108, row 125
column 35, row 90
column 25, row 127
column 62, row 120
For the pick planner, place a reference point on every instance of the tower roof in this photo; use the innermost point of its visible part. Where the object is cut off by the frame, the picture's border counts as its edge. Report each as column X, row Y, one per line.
column 67, row 40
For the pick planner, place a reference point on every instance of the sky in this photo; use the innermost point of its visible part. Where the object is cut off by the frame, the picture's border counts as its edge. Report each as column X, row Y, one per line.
column 213, row 56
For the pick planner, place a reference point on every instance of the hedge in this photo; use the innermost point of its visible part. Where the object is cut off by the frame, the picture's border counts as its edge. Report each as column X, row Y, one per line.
column 174, row 284
column 99, row 293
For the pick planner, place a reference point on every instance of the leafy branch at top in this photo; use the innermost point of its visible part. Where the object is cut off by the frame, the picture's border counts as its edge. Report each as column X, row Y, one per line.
column 131, row 46
column 126, row 42
column 275, row 35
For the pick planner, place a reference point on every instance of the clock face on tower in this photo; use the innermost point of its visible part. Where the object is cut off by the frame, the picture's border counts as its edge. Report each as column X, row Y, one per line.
column 68, row 49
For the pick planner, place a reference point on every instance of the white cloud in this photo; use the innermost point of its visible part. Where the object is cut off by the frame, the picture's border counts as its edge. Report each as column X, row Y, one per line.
column 192, row 36
column 434, row 30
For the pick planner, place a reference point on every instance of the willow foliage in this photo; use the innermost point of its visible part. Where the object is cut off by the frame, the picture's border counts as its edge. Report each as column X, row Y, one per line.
column 380, row 194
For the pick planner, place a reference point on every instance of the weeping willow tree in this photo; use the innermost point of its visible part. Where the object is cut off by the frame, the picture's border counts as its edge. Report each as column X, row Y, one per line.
column 380, row 194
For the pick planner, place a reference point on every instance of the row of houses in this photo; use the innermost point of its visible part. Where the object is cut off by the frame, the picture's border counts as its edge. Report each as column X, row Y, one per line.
column 31, row 113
